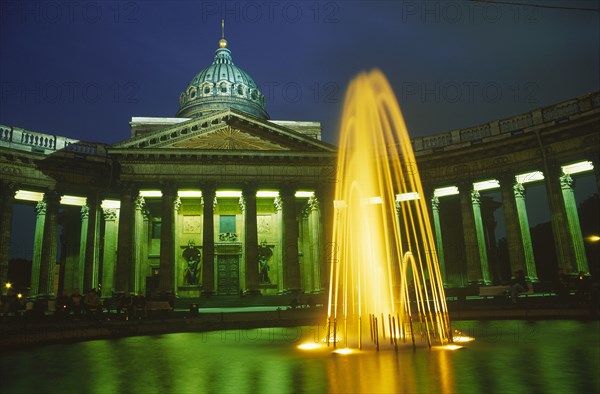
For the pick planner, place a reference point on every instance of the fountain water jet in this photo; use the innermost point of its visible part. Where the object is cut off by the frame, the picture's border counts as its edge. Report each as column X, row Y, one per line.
column 385, row 277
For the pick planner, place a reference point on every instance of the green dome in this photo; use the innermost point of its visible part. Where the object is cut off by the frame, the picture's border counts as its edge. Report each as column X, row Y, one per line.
column 219, row 86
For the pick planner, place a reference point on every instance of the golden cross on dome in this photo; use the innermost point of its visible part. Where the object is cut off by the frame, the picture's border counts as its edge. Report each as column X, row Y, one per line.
column 222, row 41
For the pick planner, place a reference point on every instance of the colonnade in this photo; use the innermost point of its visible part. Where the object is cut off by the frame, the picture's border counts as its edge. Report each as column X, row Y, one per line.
column 568, row 238
column 117, row 240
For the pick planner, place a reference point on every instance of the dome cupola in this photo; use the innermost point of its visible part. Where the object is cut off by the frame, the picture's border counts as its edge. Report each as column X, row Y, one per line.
column 220, row 86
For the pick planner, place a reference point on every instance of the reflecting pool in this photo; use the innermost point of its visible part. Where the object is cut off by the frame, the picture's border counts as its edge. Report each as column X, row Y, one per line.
column 507, row 356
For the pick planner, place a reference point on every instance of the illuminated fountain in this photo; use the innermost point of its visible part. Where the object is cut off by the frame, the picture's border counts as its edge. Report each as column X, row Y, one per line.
column 385, row 283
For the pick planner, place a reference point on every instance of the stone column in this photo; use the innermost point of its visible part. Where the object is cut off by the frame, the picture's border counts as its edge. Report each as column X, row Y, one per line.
column 525, row 234
column 110, row 252
column 208, row 241
column 176, row 240
column 304, row 255
column 40, row 219
column 278, row 226
column 560, row 225
column 251, row 240
column 7, row 200
column 437, row 226
column 79, row 272
column 144, row 250
column 325, row 195
column 49, row 246
column 167, row 239
column 314, row 224
column 291, row 266
column 138, row 220
column 515, row 241
column 566, row 183
column 471, row 248
column 480, row 234
column 92, row 252
column 123, row 281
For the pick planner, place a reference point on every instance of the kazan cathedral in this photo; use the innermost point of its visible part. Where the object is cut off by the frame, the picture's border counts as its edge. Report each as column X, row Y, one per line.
column 223, row 200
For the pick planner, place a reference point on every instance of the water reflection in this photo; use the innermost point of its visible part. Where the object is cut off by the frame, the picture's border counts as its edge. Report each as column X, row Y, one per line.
column 507, row 356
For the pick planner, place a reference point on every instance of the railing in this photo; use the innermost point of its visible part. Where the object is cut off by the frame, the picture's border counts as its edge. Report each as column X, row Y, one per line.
column 46, row 143
column 506, row 127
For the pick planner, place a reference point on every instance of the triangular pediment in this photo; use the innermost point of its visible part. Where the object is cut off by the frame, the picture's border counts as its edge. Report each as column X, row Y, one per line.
column 227, row 138
column 229, row 130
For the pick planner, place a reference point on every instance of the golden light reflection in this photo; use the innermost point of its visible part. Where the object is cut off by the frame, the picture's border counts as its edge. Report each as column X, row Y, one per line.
column 310, row 346
column 451, row 347
column 344, row 351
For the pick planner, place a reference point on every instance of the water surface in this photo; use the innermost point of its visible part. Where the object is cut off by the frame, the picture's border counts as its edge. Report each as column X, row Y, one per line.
column 507, row 357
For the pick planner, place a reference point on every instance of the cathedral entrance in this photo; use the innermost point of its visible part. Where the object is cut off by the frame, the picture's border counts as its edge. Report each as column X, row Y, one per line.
column 228, row 274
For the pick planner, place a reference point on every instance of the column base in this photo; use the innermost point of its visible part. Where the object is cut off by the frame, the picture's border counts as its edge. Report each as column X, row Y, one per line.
column 252, row 292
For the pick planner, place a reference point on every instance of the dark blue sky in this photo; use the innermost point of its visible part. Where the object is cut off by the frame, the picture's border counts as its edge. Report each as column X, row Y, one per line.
column 82, row 70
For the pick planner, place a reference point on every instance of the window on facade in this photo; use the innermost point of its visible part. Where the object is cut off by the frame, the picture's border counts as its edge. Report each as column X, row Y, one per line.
column 227, row 224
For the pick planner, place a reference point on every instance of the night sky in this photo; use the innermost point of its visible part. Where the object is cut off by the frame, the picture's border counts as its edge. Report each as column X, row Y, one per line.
column 82, row 70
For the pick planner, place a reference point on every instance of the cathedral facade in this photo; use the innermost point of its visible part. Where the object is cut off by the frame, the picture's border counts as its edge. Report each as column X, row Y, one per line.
column 221, row 199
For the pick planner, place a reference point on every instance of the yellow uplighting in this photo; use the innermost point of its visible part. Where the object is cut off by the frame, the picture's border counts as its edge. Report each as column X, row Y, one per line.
column 310, row 346
column 529, row 177
column 150, row 193
column 452, row 347
column 445, row 191
column 267, row 193
column 110, row 204
column 407, row 196
column 19, row 295
column 73, row 200
column 28, row 195
column 229, row 193
column 486, row 185
column 576, row 168
column 592, row 238
column 8, row 285
column 304, row 194
column 189, row 193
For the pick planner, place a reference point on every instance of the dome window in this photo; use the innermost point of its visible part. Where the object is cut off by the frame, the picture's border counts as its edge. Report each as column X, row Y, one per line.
column 240, row 90
column 193, row 94
column 254, row 95
column 223, row 88
column 207, row 90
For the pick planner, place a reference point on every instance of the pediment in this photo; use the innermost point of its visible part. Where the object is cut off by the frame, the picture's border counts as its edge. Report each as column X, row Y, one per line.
column 227, row 130
column 226, row 138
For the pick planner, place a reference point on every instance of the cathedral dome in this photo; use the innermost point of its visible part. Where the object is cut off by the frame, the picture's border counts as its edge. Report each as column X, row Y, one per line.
column 220, row 86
